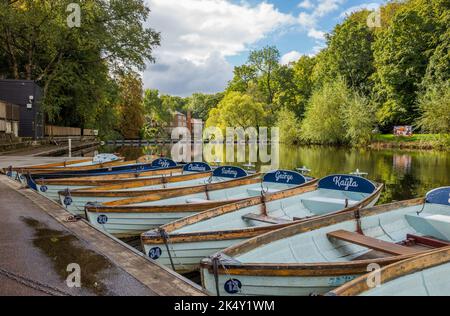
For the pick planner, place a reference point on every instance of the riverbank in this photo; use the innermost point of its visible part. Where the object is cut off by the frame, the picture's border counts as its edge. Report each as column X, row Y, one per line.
column 419, row 141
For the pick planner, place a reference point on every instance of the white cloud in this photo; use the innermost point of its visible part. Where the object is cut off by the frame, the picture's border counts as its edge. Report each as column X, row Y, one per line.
column 290, row 57
column 319, row 35
column 327, row 6
column 365, row 6
column 198, row 35
column 310, row 20
column 306, row 4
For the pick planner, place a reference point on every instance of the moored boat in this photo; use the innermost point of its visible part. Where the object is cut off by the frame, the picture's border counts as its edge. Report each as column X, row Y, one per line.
column 424, row 275
column 79, row 164
column 319, row 255
column 131, row 217
column 192, row 174
column 50, row 187
column 202, row 235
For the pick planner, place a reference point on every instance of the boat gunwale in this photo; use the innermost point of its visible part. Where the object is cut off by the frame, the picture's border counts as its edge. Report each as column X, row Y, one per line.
column 175, row 208
column 61, row 164
column 116, row 189
column 116, row 163
column 312, row 269
column 162, row 194
column 106, row 179
column 395, row 271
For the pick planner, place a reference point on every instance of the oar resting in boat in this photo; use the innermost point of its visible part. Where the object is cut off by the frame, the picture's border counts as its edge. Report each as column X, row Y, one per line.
column 131, row 217
column 50, row 185
column 87, row 163
column 201, row 235
column 319, row 255
column 424, row 275
column 196, row 173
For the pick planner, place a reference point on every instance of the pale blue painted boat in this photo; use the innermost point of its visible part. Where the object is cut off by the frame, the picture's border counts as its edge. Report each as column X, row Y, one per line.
column 96, row 160
column 308, row 258
column 135, row 216
column 50, row 188
column 76, row 200
column 424, row 275
column 201, row 235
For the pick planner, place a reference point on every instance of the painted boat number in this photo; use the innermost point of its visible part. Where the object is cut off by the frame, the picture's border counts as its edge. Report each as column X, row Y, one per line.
column 338, row 281
column 68, row 201
column 233, row 286
column 155, row 253
column 102, row 219
column 44, row 188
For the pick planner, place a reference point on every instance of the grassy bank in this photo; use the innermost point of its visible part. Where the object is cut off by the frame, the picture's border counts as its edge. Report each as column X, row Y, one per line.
column 419, row 141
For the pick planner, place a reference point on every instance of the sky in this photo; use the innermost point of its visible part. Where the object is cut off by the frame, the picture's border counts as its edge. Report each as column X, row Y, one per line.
column 203, row 40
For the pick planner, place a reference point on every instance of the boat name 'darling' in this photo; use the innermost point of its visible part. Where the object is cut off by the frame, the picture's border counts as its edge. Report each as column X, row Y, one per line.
column 230, row 171
column 283, row 176
column 346, row 182
column 196, row 168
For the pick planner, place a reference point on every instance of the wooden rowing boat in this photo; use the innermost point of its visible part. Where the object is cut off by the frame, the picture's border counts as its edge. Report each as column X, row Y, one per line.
column 202, row 235
column 131, row 217
column 95, row 162
column 319, row 255
column 192, row 174
column 50, row 188
column 424, row 275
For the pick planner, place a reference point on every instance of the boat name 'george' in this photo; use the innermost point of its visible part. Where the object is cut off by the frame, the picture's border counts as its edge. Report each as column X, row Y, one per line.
column 280, row 175
column 346, row 182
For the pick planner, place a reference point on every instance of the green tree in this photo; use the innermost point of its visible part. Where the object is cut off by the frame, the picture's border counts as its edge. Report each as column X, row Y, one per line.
column 358, row 118
column 131, row 117
column 401, row 62
column 71, row 64
column 350, row 51
column 303, row 80
column 322, row 123
column 201, row 104
column 434, row 107
column 266, row 62
column 237, row 110
column 289, row 126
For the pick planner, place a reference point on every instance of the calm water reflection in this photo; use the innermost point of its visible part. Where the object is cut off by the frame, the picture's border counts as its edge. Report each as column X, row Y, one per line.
column 406, row 174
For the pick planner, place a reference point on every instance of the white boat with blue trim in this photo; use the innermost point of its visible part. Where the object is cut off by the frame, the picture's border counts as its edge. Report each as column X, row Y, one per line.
column 131, row 217
column 50, row 188
column 97, row 161
column 193, row 174
column 201, row 235
column 320, row 255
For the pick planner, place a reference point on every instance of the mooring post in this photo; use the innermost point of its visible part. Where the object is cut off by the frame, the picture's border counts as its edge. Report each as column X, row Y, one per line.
column 70, row 148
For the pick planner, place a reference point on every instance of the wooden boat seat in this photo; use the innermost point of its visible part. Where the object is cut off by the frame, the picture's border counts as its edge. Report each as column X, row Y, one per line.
column 265, row 219
column 373, row 243
column 323, row 199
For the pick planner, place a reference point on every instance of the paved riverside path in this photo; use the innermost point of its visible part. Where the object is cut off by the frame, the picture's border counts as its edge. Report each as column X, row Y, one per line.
column 38, row 242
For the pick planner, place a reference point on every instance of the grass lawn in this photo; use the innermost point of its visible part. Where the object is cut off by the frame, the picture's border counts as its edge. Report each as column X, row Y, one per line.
column 402, row 139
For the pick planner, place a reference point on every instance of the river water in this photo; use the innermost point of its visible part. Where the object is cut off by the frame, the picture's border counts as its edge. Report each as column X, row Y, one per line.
column 406, row 174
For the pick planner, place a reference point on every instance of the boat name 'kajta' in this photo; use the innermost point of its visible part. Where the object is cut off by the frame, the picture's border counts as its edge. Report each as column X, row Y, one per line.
column 346, row 182
column 283, row 176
